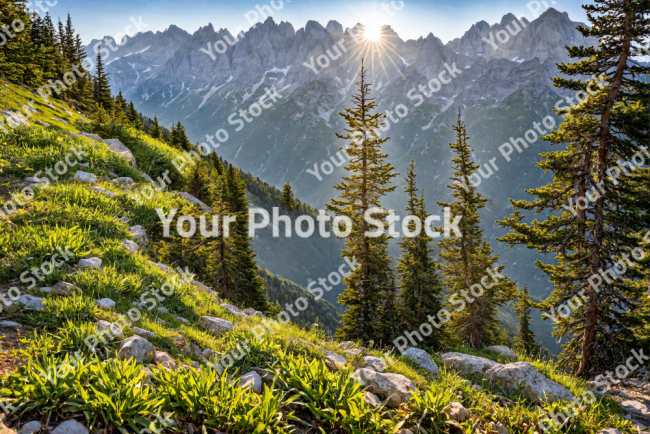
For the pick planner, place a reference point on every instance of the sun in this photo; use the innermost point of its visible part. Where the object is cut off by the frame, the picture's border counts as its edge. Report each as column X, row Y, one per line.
column 372, row 31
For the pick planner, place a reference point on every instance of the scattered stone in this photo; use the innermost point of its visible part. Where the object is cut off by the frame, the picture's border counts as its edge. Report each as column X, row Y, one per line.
column 345, row 345
column 636, row 408
column 124, row 182
column 35, row 180
column 476, row 387
column 90, row 263
column 160, row 266
column 110, row 329
column 234, row 310
column 143, row 333
column 423, row 360
column 371, row 362
column 467, row 364
column 86, row 165
column 30, row 302
column 30, row 427
column 335, row 361
column 216, row 325
column 161, row 321
column 162, row 310
column 63, row 289
column 504, row 351
column 251, row 380
column 145, row 176
column 183, row 320
column 10, row 325
column 253, row 312
column 355, row 352
column 138, row 348
column 118, row 147
column 130, row 246
column 535, row 386
column 15, row 118
column 105, row 303
column 101, row 190
column 84, row 177
column 501, row 428
column 139, row 235
column 196, row 366
column 90, row 136
column 372, row 399
column 208, row 353
column 70, row 427
column 396, row 387
column 188, row 197
column 62, row 121
column 457, row 412
column 164, row 359
column 609, row 431
column 122, row 219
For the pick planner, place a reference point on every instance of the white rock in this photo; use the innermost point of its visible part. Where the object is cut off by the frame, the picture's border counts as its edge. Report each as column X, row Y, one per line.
column 183, row 320
column 30, row 302
column 335, row 361
column 10, row 325
column 504, row 351
column 371, row 362
column 30, row 427
column 457, row 412
column 63, row 289
column 610, row 431
column 90, row 263
column 396, row 387
column 164, row 359
column 35, row 180
column 160, row 266
column 118, row 147
column 423, row 360
column 44, row 124
column 253, row 312
column 188, row 197
column 216, row 325
column 105, row 303
column 138, row 348
column 636, row 408
column 90, row 136
column 467, row 364
column 162, row 310
column 251, row 380
column 15, row 118
column 234, row 310
column 161, row 321
column 70, row 427
column 139, row 235
column 345, row 345
column 122, row 219
column 101, row 190
column 85, row 177
column 143, row 333
column 534, row 384
column 124, row 182
column 130, row 246
column 110, row 329
column 501, row 428
column 208, row 353
column 372, row 399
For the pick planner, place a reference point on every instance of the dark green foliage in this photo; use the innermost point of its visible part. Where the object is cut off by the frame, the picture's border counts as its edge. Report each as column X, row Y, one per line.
column 287, row 197
column 155, row 130
column 525, row 342
column 102, row 87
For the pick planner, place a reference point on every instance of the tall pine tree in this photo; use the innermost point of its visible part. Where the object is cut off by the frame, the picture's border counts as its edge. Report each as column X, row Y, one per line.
column 367, row 182
column 593, row 217
column 287, row 196
column 420, row 287
column 474, row 295
column 102, row 93
column 525, row 342
column 155, row 131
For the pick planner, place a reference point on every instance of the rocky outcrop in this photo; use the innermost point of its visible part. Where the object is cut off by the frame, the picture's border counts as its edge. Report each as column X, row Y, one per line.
column 118, row 147
column 504, row 351
column 216, row 325
column 422, row 359
column 466, row 364
column 534, row 385
column 396, row 387
column 138, row 348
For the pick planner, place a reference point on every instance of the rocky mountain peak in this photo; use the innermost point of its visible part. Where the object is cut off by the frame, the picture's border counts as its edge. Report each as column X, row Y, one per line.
column 334, row 28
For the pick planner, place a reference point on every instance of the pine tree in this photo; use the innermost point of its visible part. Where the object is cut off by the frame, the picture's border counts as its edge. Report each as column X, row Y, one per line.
column 369, row 176
column 120, row 109
column 155, row 130
column 216, row 163
column 603, row 214
column 420, row 288
column 134, row 117
column 250, row 291
column 199, row 180
column 183, row 143
column 525, row 342
column 287, row 196
column 173, row 140
column 468, row 259
column 102, row 94
column 18, row 54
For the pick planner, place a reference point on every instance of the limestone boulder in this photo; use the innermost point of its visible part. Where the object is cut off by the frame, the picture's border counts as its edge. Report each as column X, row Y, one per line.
column 234, row 310
column 372, row 399
column 216, row 325
column 101, row 190
column 457, row 412
column 105, row 303
column 504, row 351
column 466, row 364
column 535, row 386
column 251, row 380
column 84, row 177
column 138, row 235
column 118, row 147
column 371, row 362
column 109, row 329
column 396, row 387
column 124, row 182
column 143, row 333
column 335, row 361
column 165, row 360
column 70, row 427
column 188, row 197
column 423, row 360
column 130, row 247
column 138, row 348
column 63, row 289
column 30, row 302
column 90, row 263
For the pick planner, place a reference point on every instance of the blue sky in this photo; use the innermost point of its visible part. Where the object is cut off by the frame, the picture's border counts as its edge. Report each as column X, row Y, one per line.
column 447, row 19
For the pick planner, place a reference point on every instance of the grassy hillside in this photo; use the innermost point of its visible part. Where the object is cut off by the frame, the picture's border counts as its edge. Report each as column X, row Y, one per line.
column 51, row 374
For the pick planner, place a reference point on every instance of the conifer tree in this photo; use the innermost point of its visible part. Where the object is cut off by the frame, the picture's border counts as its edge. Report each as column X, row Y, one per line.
column 18, row 54
column 593, row 218
column 474, row 295
column 525, row 342
column 102, row 93
column 287, row 196
column 367, row 182
column 120, row 109
column 155, row 130
column 250, row 291
column 173, row 140
column 134, row 117
column 420, row 288
column 199, row 180
column 216, row 163
column 183, row 143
